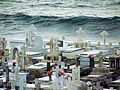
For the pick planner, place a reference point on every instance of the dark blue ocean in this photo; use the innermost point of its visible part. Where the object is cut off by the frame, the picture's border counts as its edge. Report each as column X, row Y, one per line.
column 60, row 18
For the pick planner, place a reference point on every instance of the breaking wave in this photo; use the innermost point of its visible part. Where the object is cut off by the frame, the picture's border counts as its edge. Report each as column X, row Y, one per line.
column 21, row 21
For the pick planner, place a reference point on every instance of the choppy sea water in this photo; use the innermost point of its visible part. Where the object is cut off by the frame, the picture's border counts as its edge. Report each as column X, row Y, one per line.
column 59, row 18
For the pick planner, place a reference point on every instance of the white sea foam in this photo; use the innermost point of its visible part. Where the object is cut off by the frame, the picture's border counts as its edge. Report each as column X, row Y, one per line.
column 64, row 9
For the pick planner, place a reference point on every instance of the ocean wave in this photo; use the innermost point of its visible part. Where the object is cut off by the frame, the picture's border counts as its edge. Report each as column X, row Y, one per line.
column 115, row 3
column 12, row 33
column 61, row 9
column 54, row 19
column 93, row 25
column 59, row 17
column 68, row 5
